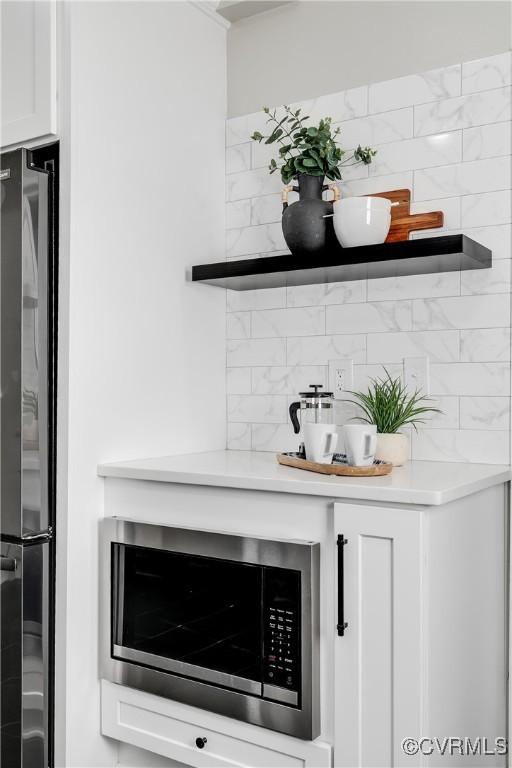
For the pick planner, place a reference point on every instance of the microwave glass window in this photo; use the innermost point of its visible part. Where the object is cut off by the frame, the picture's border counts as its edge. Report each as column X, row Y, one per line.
column 198, row 610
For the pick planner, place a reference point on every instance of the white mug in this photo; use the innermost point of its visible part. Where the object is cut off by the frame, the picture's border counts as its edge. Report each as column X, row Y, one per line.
column 360, row 444
column 320, row 442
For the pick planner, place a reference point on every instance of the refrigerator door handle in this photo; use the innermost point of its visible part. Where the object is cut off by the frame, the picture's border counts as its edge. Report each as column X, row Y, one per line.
column 7, row 563
column 39, row 536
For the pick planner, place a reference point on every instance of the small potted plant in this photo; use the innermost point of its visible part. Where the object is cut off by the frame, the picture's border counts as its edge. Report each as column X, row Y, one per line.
column 390, row 406
column 309, row 155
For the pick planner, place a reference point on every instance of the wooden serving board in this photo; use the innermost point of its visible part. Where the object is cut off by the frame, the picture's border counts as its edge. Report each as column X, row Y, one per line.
column 379, row 468
column 403, row 222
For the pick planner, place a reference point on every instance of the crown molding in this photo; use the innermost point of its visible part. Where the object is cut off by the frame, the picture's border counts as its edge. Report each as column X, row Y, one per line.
column 209, row 9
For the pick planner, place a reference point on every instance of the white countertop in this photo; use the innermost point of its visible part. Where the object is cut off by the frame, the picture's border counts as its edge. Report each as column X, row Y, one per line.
column 418, row 482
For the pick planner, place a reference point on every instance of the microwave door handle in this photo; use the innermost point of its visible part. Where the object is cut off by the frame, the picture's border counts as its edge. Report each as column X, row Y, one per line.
column 118, row 555
column 342, row 624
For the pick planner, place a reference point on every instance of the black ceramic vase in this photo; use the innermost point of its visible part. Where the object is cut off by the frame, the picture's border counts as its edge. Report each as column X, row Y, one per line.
column 305, row 229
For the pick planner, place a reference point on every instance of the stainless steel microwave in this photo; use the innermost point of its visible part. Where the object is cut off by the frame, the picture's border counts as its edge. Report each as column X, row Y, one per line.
column 223, row 622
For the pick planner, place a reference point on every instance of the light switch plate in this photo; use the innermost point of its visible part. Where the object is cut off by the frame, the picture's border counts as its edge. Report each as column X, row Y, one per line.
column 416, row 374
column 341, row 377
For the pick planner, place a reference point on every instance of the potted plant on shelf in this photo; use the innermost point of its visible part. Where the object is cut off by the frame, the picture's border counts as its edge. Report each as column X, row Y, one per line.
column 390, row 406
column 309, row 155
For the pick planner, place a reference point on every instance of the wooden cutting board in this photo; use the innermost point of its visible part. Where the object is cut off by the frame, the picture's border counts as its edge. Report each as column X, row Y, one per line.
column 403, row 222
column 378, row 468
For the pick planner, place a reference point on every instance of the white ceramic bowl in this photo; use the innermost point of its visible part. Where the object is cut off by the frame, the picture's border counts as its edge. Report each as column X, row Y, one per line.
column 362, row 220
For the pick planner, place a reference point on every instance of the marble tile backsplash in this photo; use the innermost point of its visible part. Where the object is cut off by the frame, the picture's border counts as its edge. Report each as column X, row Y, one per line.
column 446, row 135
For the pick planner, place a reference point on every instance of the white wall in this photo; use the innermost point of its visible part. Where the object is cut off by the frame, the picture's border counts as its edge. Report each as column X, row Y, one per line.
column 312, row 47
column 142, row 351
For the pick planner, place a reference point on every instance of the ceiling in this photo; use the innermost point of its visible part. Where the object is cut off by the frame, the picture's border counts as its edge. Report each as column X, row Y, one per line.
column 236, row 10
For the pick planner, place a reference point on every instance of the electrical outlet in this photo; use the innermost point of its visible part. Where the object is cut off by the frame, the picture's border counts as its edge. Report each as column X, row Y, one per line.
column 416, row 374
column 341, row 377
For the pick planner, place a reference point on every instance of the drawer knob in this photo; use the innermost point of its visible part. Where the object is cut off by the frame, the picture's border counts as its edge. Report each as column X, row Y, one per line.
column 201, row 741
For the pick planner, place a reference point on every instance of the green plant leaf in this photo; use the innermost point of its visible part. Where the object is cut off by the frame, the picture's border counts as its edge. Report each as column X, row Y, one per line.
column 310, row 149
column 390, row 406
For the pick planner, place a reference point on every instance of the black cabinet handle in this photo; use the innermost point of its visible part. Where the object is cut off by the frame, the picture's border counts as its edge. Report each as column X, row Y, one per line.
column 342, row 624
column 201, row 741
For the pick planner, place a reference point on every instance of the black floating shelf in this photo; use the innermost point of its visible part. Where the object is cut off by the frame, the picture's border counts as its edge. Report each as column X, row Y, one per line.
column 450, row 253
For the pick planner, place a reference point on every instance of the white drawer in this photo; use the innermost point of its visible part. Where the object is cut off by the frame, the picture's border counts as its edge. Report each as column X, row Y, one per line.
column 170, row 729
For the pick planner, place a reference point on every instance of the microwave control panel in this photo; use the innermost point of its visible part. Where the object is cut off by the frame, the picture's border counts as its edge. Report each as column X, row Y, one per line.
column 281, row 637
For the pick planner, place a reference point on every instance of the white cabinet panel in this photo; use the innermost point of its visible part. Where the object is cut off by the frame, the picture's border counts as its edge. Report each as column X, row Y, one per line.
column 171, row 729
column 378, row 659
column 28, row 70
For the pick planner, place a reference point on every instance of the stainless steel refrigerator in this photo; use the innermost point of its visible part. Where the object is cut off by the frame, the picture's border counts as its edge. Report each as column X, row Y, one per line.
column 28, row 332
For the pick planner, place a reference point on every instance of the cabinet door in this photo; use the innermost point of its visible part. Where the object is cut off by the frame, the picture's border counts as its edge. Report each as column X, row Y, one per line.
column 378, row 658
column 28, row 83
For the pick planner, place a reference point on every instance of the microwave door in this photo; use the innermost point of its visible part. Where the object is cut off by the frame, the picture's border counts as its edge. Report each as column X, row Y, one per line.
column 24, row 348
column 196, row 617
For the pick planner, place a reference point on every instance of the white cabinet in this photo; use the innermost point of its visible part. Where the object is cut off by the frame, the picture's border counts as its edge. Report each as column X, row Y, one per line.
column 424, row 652
column 198, row 738
column 28, row 70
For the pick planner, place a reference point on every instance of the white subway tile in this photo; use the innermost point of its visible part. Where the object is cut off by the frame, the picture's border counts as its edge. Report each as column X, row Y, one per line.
column 266, row 209
column 269, row 298
column 486, row 141
column 438, row 346
column 238, row 325
column 372, row 184
column 287, row 380
column 415, row 89
column 494, row 280
column 238, row 381
column 461, row 312
column 326, row 293
column 302, row 321
column 450, row 206
column 367, row 318
column 274, row 437
column 238, row 158
column 318, row 350
column 256, row 352
column 462, row 179
column 363, row 374
column 343, row 105
column 486, row 447
column 490, row 72
column 254, row 240
column 485, row 345
column 449, row 416
column 414, row 286
column 497, row 238
column 488, row 379
column 411, row 154
column 486, row 209
column 262, row 408
column 463, row 112
column 377, row 129
column 240, row 129
column 356, row 172
column 238, row 214
column 262, row 154
column 484, row 412
column 239, row 437
column 252, row 184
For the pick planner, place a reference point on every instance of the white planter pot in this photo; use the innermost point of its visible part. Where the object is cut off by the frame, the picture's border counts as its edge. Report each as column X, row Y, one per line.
column 393, row 448
column 361, row 220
